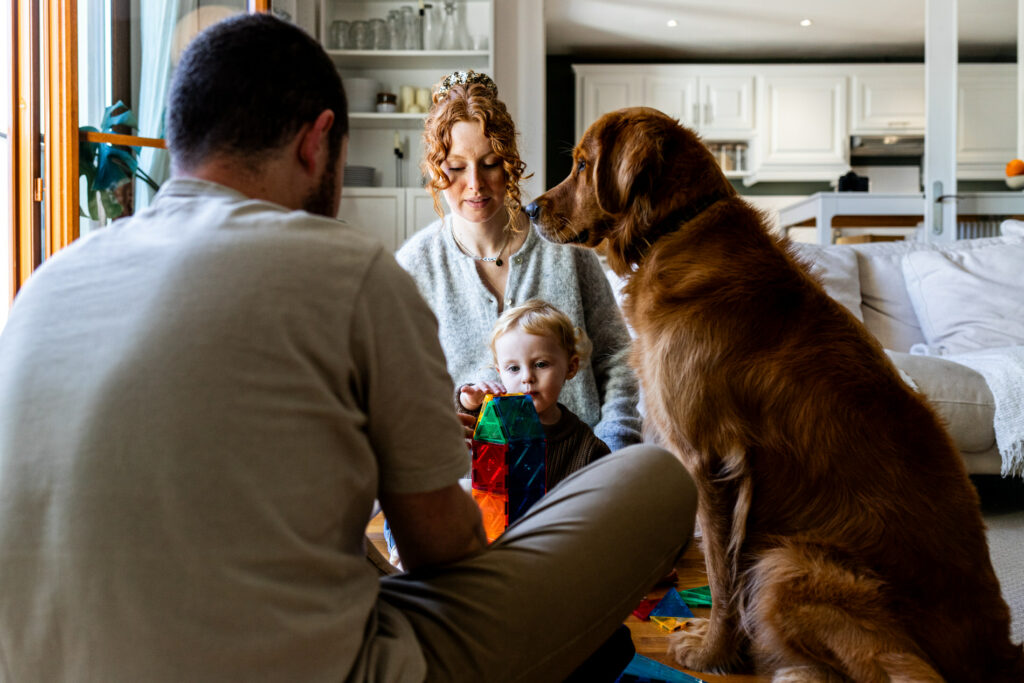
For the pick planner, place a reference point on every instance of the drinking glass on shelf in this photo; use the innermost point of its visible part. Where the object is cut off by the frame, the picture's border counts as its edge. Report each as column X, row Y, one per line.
column 379, row 34
column 339, row 35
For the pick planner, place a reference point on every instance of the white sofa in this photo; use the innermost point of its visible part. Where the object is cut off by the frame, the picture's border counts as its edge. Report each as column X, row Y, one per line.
column 924, row 301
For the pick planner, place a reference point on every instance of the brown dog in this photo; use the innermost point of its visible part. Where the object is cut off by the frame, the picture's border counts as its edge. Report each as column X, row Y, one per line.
column 843, row 537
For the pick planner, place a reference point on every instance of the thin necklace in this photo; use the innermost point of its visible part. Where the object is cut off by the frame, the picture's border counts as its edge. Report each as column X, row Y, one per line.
column 496, row 260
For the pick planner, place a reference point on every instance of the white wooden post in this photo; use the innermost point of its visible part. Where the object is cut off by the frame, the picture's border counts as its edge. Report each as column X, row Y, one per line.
column 940, row 88
column 1020, row 79
column 521, row 74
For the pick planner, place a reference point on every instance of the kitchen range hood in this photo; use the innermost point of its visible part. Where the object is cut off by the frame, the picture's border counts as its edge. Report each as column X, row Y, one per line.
column 908, row 146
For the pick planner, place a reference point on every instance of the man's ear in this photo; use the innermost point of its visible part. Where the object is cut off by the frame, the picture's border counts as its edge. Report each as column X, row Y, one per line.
column 313, row 138
column 574, row 367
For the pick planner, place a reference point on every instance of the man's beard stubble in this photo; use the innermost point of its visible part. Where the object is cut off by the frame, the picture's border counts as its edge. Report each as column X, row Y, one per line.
column 321, row 199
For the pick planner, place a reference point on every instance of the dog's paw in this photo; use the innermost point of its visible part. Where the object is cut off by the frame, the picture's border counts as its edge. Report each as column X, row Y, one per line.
column 688, row 646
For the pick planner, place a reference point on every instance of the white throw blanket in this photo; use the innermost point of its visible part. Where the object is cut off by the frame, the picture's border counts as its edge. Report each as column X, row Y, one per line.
column 1003, row 369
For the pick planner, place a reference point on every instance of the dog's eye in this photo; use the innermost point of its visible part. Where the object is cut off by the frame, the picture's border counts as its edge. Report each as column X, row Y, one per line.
column 581, row 165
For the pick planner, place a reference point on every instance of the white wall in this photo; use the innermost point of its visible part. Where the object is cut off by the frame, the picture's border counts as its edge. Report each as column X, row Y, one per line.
column 519, row 60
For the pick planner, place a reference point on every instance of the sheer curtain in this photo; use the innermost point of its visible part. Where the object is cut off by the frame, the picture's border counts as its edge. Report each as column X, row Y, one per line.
column 157, row 21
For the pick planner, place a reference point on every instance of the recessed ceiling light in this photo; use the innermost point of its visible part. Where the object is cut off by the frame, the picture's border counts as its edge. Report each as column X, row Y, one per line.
column 672, row 23
column 805, row 22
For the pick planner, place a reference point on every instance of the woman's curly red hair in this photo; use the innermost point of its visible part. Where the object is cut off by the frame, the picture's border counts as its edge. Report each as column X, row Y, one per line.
column 471, row 102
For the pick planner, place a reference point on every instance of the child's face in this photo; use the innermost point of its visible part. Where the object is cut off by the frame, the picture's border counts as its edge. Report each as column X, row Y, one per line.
column 535, row 365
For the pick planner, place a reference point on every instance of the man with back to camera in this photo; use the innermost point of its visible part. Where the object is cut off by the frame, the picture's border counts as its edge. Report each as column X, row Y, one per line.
column 200, row 403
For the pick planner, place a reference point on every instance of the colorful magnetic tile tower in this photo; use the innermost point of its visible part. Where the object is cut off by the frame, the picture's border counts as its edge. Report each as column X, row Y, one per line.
column 508, row 460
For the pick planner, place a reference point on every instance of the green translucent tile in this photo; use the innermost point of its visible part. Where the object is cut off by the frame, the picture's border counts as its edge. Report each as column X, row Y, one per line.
column 519, row 417
column 489, row 425
column 697, row 597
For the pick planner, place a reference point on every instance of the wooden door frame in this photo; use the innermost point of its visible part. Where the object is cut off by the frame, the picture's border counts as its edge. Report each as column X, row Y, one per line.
column 44, row 102
column 44, row 183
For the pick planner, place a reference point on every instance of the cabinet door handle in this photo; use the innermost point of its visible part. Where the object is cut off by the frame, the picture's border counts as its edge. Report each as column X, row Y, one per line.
column 708, row 115
column 899, row 124
column 696, row 114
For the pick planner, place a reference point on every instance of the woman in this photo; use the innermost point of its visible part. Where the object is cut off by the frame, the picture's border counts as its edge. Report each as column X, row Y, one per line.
column 484, row 257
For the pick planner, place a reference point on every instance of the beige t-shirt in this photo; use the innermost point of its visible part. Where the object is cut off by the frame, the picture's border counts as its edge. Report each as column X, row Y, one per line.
column 198, row 406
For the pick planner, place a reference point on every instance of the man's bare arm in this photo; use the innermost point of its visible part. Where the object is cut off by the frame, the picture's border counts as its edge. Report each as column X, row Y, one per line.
column 435, row 527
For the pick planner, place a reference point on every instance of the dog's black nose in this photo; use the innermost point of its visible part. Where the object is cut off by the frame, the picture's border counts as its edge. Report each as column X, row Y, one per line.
column 532, row 210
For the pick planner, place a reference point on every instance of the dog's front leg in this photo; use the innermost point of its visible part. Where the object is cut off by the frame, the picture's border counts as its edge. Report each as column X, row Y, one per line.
column 714, row 644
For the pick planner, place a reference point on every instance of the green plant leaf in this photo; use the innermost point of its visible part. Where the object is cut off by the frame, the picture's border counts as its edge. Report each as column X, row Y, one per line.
column 106, row 166
column 114, row 165
column 94, row 209
column 111, row 207
column 125, row 118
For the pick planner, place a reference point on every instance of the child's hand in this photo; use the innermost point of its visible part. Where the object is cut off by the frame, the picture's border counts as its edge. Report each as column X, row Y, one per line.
column 472, row 395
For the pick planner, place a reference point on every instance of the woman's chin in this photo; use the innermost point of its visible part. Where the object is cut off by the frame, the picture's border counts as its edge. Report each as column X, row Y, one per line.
column 480, row 215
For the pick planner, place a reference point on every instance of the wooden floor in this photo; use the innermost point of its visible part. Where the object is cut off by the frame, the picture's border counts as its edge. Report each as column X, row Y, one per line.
column 649, row 639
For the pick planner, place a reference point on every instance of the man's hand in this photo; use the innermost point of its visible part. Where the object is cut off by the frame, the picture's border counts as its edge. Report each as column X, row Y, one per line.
column 468, row 428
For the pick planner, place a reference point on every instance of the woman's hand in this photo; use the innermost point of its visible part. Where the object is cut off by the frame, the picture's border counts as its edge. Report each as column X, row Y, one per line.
column 471, row 396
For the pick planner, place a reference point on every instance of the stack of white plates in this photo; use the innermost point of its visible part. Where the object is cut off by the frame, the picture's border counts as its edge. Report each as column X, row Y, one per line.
column 359, row 176
column 361, row 94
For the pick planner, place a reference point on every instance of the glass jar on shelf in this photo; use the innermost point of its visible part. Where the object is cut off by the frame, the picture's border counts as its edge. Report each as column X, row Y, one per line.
column 411, row 29
column 379, row 34
column 727, row 157
column 395, row 36
column 741, row 156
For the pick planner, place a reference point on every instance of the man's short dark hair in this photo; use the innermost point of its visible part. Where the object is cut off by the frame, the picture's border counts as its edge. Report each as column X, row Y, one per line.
column 245, row 86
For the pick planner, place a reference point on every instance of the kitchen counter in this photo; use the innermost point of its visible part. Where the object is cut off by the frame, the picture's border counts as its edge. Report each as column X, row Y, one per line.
column 827, row 210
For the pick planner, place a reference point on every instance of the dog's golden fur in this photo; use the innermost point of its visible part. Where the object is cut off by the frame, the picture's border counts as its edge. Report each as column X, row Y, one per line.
column 843, row 537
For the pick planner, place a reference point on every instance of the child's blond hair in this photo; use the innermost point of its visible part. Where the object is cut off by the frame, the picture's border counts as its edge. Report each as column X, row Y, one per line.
column 541, row 318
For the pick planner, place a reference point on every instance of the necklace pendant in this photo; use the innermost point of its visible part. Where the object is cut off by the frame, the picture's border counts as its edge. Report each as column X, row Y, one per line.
column 498, row 262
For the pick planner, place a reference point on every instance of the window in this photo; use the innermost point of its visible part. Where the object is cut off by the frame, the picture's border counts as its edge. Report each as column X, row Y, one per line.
column 70, row 60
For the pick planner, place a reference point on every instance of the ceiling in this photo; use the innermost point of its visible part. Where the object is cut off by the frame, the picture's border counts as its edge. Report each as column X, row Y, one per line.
column 738, row 30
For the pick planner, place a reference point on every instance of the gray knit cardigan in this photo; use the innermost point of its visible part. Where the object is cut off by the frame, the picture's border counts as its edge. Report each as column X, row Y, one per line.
column 604, row 393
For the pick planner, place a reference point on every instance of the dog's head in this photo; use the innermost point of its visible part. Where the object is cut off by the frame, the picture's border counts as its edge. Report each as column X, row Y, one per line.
column 633, row 169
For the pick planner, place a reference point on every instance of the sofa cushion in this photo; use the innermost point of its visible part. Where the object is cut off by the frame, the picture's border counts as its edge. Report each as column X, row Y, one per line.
column 968, row 297
column 888, row 312
column 836, row 269
column 959, row 395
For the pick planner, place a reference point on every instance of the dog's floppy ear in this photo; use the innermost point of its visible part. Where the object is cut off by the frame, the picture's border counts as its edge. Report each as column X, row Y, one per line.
column 629, row 157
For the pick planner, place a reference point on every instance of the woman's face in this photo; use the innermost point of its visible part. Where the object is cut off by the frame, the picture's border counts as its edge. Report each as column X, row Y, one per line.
column 477, row 190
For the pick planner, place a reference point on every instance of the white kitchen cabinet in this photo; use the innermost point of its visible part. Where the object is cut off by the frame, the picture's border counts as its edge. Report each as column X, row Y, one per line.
column 377, row 211
column 599, row 92
column 390, row 214
column 986, row 120
column 419, row 210
column 887, row 99
column 715, row 106
column 802, row 126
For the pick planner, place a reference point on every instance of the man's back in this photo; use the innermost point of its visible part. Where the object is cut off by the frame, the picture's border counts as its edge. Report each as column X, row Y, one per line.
column 186, row 452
